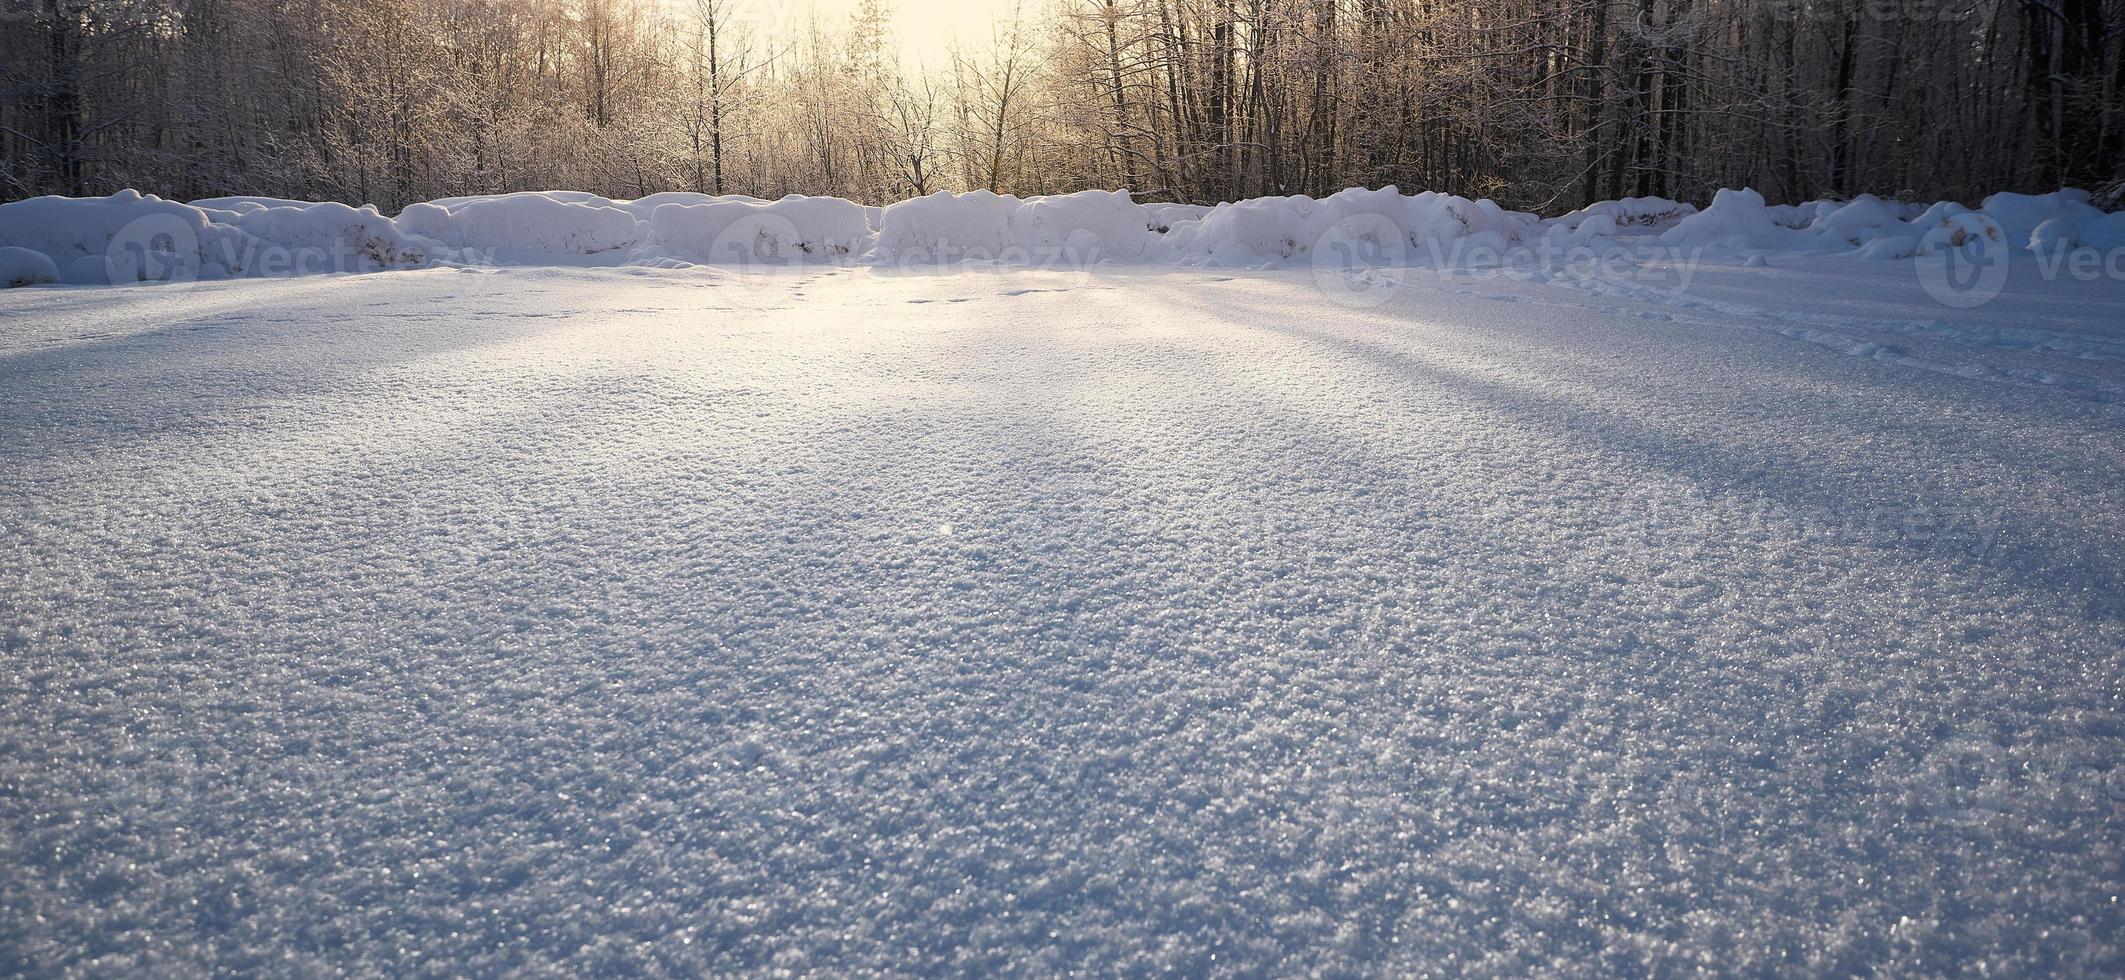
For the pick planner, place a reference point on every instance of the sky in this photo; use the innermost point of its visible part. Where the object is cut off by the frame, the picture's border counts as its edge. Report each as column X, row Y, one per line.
column 925, row 29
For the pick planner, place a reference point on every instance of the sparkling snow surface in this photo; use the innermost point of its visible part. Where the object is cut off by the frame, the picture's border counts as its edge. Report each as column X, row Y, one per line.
column 599, row 620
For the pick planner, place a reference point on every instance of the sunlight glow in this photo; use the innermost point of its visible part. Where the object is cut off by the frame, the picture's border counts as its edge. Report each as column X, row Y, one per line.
column 924, row 30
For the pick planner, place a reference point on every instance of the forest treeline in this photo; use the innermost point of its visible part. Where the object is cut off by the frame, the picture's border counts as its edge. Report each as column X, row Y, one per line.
column 1540, row 104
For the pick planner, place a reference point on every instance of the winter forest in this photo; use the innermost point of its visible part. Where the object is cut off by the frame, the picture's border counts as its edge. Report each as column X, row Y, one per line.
column 1539, row 104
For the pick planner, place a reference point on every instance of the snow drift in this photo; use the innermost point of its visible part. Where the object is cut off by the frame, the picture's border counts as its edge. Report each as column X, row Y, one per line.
column 22, row 267
column 1273, row 228
column 526, row 224
column 131, row 237
column 947, row 227
column 1873, row 228
column 749, row 231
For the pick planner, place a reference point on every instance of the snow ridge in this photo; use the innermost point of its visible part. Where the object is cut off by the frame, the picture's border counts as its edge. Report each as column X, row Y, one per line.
column 132, row 237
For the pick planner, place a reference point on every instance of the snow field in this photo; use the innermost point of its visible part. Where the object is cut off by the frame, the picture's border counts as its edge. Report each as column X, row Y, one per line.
column 1140, row 621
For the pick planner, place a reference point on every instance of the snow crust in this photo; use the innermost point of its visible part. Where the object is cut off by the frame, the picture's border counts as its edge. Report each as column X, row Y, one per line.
column 1153, row 621
column 130, row 237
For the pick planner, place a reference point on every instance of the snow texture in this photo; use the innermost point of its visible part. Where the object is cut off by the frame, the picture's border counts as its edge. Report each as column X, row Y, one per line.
column 1129, row 621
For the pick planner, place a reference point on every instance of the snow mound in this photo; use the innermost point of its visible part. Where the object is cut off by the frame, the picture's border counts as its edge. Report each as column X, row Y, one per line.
column 1630, row 212
column 2106, row 233
column 1104, row 220
column 343, row 239
column 944, row 224
column 748, row 231
column 1962, row 227
column 947, row 227
column 247, row 203
column 1874, row 228
column 2019, row 215
column 67, row 229
column 1891, row 248
column 2054, row 234
column 641, row 207
column 536, row 224
column 23, row 267
column 1274, row 228
column 1862, row 220
column 1166, row 216
column 1737, row 219
column 129, row 237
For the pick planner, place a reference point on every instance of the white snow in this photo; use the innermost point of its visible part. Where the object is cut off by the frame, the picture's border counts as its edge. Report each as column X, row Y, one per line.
column 1872, row 228
column 70, row 229
column 1142, row 619
column 1736, row 219
column 524, row 224
column 341, row 238
column 982, row 226
column 1656, row 213
column 794, row 229
column 129, row 237
column 22, row 267
column 1274, row 228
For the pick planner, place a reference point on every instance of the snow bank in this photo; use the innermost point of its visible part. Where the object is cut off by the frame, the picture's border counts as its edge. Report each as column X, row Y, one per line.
column 2019, row 215
column 1737, row 219
column 2104, row 233
column 1631, row 212
column 1104, row 220
column 1165, row 217
column 1864, row 219
column 130, row 237
column 641, row 207
column 125, row 227
column 22, row 267
column 747, row 231
column 1272, row 228
column 344, row 239
column 242, row 204
column 1873, row 228
column 945, row 224
column 1086, row 226
column 534, row 224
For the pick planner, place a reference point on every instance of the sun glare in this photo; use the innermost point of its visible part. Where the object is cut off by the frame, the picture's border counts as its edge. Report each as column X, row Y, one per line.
column 924, row 30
